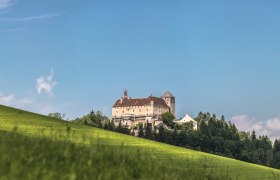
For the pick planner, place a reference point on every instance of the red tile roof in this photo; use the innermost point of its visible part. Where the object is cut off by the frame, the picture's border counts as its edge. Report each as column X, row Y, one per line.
column 128, row 102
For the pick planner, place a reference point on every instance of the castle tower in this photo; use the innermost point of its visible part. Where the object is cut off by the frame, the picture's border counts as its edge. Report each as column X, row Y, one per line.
column 170, row 101
column 125, row 94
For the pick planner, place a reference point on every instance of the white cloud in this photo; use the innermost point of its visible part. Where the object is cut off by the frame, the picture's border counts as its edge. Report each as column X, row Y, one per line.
column 273, row 124
column 46, row 84
column 31, row 18
column 13, row 29
column 6, row 99
column 244, row 122
column 270, row 127
column 5, row 4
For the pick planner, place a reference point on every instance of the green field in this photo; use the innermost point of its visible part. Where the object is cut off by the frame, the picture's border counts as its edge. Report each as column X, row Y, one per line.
column 38, row 147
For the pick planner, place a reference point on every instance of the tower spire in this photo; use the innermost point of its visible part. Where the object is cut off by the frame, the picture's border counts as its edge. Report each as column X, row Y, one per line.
column 125, row 94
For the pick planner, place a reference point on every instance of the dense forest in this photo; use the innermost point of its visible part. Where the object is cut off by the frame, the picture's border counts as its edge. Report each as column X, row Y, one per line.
column 214, row 135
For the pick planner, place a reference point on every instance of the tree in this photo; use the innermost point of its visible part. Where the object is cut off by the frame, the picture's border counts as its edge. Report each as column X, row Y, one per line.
column 119, row 127
column 244, row 156
column 161, row 134
column 111, row 125
column 149, row 131
column 175, row 139
column 57, row 115
column 187, row 127
column 141, row 131
column 276, row 154
column 253, row 136
column 97, row 118
column 168, row 119
column 217, row 144
column 223, row 118
column 204, row 128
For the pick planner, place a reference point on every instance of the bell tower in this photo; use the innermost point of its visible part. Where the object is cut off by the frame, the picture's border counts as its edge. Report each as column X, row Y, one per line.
column 170, row 101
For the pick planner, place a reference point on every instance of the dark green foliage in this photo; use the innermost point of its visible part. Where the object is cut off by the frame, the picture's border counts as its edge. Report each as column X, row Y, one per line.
column 276, row 154
column 168, row 119
column 141, row 131
column 122, row 129
column 96, row 119
column 119, row 127
column 214, row 136
column 109, row 125
column 253, row 136
column 161, row 134
column 222, row 138
column 149, row 131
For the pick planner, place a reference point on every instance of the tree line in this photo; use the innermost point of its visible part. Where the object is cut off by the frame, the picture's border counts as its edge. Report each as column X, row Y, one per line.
column 214, row 135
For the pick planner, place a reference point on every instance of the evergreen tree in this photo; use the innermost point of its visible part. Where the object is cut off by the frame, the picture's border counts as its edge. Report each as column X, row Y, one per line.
column 204, row 128
column 141, row 131
column 119, row 127
column 111, row 125
column 161, row 134
column 276, row 154
column 223, row 118
column 253, row 136
column 148, row 131
column 106, row 125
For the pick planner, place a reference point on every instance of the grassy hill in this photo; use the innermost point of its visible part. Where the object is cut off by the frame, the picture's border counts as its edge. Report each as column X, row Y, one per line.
column 33, row 146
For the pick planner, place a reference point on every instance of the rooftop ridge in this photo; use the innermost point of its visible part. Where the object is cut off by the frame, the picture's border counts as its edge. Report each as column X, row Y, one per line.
column 140, row 102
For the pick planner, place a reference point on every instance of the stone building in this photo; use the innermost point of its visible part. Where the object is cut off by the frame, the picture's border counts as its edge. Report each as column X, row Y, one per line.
column 132, row 111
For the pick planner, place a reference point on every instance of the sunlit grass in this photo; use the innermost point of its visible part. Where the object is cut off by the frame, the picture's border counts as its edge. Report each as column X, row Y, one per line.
column 166, row 161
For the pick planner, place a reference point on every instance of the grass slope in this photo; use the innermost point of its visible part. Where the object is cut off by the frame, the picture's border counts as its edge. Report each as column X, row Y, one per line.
column 33, row 146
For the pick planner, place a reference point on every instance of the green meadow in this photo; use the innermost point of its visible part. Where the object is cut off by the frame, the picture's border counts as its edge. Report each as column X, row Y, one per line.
column 33, row 146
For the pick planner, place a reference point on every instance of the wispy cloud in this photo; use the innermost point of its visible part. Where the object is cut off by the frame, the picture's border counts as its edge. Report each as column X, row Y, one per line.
column 270, row 127
column 31, row 18
column 13, row 29
column 4, row 4
column 46, row 84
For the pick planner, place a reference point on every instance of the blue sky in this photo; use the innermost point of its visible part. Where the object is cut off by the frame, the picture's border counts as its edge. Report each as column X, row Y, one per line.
column 74, row 56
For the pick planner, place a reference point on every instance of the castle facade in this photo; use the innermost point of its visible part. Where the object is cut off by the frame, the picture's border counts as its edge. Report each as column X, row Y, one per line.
column 133, row 111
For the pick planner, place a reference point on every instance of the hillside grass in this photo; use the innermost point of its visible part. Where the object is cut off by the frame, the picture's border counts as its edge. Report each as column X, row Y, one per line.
column 33, row 146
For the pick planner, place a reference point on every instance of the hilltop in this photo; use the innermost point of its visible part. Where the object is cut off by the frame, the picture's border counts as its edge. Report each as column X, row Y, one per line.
column 33, row 146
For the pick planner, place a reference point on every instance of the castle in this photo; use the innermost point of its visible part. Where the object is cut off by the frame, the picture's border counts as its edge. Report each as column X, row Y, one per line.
column 133, row 111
